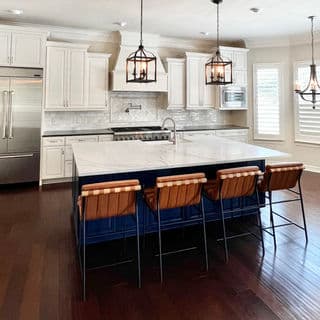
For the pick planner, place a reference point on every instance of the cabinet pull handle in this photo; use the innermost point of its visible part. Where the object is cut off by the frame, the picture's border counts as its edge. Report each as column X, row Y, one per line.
column 8, row 60
column 62, row 151
column 12, row 60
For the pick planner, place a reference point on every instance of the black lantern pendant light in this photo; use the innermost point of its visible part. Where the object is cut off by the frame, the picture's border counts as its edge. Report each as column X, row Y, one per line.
column 312, row 91
column 141, row 64
column 218, row 69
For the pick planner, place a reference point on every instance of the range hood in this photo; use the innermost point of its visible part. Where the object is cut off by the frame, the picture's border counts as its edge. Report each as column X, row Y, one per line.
column 129, row 42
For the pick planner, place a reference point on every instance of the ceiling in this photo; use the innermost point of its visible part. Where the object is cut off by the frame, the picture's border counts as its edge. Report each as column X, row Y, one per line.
column 176, row 18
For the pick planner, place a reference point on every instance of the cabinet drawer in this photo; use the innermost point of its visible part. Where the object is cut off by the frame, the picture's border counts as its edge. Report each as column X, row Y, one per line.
column 230, row 133
column 68, row 169
column 105, row 137
column 53, row 141
column 79, row 139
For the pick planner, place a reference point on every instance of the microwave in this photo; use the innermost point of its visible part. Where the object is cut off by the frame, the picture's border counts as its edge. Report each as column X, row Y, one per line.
column 233, row 97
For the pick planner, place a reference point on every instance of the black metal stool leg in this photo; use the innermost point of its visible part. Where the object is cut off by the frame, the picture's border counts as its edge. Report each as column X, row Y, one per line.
column 84, row 260
column 160, row 243
column 272, row 220
column 138, row 246
column 260, row 222
column 226, row 254
column 204, row 234
column 303, row 212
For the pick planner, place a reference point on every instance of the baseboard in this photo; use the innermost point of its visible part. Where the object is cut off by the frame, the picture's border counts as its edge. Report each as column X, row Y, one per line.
column 313, row 168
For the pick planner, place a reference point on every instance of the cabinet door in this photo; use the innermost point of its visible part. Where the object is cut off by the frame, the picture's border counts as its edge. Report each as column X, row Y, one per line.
column 240, row 60
column 97, row 82
column 56, row 78
column 176, row 85
column 27, row 50
column 5, row 46
column 193, row 83
column 240, row 78
column 76, row 97
column 53, row 163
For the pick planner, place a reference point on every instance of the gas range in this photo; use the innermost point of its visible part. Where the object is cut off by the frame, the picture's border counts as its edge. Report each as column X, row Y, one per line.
column 152, row 133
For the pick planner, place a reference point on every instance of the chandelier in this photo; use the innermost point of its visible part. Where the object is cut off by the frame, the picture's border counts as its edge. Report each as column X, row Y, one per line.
column 218, row 69
column 312, row 91
column 141, row 65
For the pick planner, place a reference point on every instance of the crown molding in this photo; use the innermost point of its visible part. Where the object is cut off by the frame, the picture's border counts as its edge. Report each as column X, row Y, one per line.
column 285, row 41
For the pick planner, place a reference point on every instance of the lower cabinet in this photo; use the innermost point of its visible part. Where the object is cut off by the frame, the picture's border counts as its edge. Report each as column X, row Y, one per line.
column 53, row 162
column 57, row 158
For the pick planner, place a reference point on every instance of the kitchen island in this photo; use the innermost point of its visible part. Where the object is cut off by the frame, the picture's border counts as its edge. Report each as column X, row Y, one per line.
column 110, row 161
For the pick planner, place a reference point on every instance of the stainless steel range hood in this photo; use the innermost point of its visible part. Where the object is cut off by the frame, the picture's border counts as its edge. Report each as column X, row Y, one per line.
column 129, row 43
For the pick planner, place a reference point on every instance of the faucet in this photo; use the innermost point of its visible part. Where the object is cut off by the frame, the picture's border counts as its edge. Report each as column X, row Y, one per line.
column 174, row 139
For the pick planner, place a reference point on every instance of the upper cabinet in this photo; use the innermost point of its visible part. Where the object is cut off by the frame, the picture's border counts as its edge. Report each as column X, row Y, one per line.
column 238, row 56
column 22, row 48
column 75, row 79
column 199, row 95
column 97, row 71
column 176, row 83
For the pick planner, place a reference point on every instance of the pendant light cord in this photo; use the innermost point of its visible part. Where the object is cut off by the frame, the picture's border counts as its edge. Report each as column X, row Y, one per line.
column 312, row 38
column 141, row 20
column 218, row 27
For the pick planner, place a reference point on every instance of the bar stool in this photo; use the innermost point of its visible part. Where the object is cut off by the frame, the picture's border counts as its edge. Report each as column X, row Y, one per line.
column 283, row 176
column 177, row 192
column 235, row 183
column 107, row 200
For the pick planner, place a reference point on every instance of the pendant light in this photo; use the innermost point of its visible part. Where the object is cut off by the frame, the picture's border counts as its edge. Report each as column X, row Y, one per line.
column 312, row 91
column 218, row 69
column 141, row 64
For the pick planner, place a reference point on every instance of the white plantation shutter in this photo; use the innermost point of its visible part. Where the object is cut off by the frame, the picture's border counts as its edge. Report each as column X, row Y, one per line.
column 267, row 101
column 307, row 119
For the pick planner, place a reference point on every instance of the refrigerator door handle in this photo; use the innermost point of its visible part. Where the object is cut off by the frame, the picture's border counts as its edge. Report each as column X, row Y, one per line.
column 5, row 111
column 12, row 156
column 11, row 93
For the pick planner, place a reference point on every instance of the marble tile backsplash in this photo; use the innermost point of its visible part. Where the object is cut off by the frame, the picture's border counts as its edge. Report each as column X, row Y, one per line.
column 153, row 111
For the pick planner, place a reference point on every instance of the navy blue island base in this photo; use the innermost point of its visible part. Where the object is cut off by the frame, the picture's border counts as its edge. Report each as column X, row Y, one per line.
column 116, row 228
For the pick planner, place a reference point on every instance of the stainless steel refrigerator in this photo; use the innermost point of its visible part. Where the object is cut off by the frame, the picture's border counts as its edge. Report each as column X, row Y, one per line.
column 20, row 121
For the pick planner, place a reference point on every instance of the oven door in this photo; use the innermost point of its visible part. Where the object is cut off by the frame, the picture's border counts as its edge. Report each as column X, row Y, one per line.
column 233, row 97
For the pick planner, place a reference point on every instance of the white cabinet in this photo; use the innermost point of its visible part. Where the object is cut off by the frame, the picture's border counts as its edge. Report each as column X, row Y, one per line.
column 97, row 80
column 5, row 48
column 66, row 76
column 176, row 83
column 199, row 95
column 105, row 137
column 53, row 162
column 75, row 80
column 22, row 48
column 197, row 134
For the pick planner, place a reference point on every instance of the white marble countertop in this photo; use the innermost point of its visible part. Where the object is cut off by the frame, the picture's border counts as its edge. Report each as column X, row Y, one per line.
column 97, row 158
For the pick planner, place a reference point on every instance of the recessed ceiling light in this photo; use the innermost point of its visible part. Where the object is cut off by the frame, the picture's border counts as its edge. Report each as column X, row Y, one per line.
column 15, row 11
column 205, row 33
column 120, row 23
column 255, row 10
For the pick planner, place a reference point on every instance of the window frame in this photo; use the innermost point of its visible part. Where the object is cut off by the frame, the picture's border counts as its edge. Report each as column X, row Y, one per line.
column 256, row 134
column 298, row 136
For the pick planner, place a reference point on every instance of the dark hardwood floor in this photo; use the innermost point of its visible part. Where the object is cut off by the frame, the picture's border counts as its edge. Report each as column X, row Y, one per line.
column 40, row 278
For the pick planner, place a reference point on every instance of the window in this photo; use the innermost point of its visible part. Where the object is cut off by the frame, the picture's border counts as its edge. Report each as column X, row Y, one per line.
column 267, row 84
column 307, row 120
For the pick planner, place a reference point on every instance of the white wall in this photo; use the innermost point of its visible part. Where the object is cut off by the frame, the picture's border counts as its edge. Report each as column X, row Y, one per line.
column 287, row 55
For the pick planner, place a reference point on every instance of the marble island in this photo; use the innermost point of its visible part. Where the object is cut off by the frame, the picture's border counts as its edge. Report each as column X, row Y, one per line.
column 131, row 156
column 145, row 161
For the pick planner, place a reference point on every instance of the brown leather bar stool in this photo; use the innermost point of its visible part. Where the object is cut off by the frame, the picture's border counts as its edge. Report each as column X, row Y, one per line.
column 283, row 176
column 177, row 192
column 107, row 200
column 235, row 183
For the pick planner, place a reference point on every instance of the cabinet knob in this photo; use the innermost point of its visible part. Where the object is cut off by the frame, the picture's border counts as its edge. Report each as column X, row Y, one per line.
column 62, row 151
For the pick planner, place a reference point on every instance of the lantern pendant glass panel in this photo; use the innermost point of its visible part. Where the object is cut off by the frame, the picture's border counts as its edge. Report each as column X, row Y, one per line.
column 218, row 71
column 141, row 66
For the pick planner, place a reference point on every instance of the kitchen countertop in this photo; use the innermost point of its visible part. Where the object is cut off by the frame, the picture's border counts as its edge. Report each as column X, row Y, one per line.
column 58, row 133
column 113, row 157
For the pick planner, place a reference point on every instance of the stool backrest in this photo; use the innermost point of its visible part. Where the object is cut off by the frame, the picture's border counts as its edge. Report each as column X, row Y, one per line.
column 108, row 199
column 282, row 176
column 180, row 190
column 238, row 182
